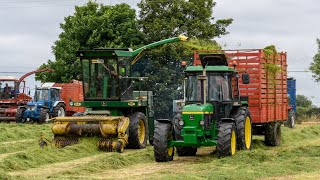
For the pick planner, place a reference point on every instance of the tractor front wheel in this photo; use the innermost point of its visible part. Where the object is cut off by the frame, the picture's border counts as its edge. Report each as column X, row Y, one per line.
column 44, row 116
column 138, row 131
column 182, row 150
column 162, row 135
column 59, row 110
column 291, row 119
column 273, row 134
column 244, row 128
column 227, row 139
column 19, row 115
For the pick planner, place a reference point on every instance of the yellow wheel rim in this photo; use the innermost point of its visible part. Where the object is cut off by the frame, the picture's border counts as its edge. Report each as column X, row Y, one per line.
column 233, row 142
column 170, row 151
column 141, row 131
column 248, row 133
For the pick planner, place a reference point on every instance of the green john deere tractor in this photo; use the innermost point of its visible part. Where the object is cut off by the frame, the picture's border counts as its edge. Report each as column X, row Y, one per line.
column 115, row 112
column 214, row 113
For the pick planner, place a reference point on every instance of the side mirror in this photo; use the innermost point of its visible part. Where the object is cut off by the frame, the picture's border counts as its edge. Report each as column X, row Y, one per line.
column 245, row 78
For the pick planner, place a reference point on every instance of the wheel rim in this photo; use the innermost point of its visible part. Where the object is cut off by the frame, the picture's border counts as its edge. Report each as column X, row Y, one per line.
column 61, row 112
column 141, row 131
column 233, row 142
column 248, row 133
column 170, row 151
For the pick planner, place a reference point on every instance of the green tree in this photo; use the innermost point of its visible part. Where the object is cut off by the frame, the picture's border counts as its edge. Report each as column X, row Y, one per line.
column 303, row 101
column 163, row 19
column 315, row 65
column 92, row 25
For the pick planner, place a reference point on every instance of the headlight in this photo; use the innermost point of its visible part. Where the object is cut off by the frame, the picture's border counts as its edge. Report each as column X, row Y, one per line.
column 32, row 108
column 202, row 122
column 181, row 122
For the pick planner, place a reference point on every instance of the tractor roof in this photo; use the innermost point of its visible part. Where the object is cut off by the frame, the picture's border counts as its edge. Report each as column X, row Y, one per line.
column 8, row 78
column 210, row 69
column 48, row 85
column 101, row 52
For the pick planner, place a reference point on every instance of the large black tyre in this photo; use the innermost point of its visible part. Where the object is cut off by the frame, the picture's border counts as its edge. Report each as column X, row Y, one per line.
column 138, row 131
column 182, row 151
column 243, row 128
column 162, row 135
column 19, row 115
column 227, row 139
column 291, row 119
column 59, row 110
column 44, row 116
column 273, row 134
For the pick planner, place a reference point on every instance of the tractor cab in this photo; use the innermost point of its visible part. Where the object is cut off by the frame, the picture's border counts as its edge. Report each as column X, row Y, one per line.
column 8, row 87
column 106, row 75
column 45, row 97
column 213, row 84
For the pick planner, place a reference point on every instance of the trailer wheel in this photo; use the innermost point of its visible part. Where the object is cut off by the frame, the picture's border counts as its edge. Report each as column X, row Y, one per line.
column 138, row 131
column 227, row 139
column 19, row 115
column 162, row 135
column 291, row 119
column 44, row 116
column 182, row 150
column 244, row 129
column 273, row 134
column 59, row 110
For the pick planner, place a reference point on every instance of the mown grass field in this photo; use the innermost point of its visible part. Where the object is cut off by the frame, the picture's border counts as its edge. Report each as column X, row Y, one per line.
column 21, row 158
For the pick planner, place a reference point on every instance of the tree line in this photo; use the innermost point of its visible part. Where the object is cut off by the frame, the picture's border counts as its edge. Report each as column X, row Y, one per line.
column 96, row 25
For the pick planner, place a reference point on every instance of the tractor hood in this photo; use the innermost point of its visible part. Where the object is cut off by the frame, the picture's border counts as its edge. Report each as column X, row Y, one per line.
column 198, row 109
column 32, row 103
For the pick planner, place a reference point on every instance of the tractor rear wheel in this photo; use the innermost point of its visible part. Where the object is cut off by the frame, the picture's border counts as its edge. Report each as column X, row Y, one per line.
column 227, row 139
column 273, row 134
column 244, row 128
column 19, row 115
column 44, row 116
column 138, row 131
column 59, row 110
column 182, row 151
column 291, row 119
column 162, row 135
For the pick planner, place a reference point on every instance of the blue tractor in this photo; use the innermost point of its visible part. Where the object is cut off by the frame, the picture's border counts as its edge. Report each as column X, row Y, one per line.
column 45, row 105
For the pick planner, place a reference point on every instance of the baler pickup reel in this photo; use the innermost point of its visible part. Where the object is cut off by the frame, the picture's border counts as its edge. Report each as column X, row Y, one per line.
column 112, row 130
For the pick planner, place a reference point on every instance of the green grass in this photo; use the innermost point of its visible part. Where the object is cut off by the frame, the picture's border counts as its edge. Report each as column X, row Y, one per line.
column 299, row 154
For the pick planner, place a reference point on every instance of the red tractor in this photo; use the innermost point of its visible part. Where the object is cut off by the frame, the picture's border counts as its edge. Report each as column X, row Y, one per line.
column 14, row 93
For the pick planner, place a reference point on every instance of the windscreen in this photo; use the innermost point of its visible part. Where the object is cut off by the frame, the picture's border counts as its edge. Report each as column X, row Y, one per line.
column 218, row 88
column 104, row 78
column 41, row 95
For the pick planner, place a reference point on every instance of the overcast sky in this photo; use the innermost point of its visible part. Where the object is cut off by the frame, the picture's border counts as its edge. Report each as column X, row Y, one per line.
column 29, row 28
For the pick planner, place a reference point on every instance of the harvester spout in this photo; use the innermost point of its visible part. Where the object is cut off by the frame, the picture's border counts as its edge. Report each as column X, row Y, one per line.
column 30, row 73
column 138, row 51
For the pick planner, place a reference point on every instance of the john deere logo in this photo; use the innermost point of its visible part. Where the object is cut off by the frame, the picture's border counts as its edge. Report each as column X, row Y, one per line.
column 77, row 104
column 104, row 103
column 191, row 117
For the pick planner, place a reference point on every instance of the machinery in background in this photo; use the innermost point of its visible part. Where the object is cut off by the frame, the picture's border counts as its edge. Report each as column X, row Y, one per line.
column 14, row 93
column 292, row 105
column 51, row 100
